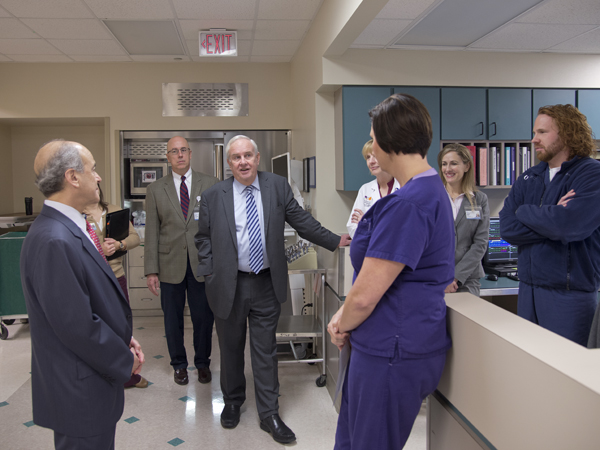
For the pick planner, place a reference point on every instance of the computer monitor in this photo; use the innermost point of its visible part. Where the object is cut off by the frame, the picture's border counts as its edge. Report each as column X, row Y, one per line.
column 280, row 165
column 499, row 252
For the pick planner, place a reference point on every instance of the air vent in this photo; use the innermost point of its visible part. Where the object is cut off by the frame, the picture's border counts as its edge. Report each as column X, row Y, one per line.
column 205, row 99
column 147, row 150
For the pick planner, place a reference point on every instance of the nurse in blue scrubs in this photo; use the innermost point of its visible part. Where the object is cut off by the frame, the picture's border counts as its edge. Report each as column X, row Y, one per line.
column 394, row 317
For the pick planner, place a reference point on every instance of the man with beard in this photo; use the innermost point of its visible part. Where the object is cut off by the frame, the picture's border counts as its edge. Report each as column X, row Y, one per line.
column 553, row 214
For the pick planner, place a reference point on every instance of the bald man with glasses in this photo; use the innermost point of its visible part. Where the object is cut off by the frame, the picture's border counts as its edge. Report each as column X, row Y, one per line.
column 170, row 259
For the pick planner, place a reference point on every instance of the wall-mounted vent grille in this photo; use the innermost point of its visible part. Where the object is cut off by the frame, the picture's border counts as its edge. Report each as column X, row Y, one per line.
column 205, row 99
column 147, row 150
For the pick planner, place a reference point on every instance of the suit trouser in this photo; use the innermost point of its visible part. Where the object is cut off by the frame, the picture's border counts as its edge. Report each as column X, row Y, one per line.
column 566, row 313
column 104, row 441
column 381, row 398
column 255, row 303
column 172, row 300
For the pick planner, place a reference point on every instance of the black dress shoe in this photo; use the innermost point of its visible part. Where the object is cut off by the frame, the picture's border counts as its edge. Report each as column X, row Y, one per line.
column 280, row 431
column 230, row 416
column 204, row 375
column 181, row 376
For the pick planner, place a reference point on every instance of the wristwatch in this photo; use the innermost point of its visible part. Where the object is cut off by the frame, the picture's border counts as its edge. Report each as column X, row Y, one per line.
column 121, row 246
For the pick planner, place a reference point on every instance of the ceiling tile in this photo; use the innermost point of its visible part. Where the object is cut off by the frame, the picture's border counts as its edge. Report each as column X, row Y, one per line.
column 281, row 29
column 585, row 43
column 88, row 47
column 27, row 47
column 131, row 9
column 404, row 9
column 55, row 9
column 288, row 9
column 582, row 12
column 381, row 32
column 264, row 48
column 232, row 59
column 191, row 28
column 41, row 58
column 13, row 28
column 270, row 59
column 4, row 13
column 68, row 28
column 529, row 36
column 215, row 9
column 4, row 58
column 101, row 58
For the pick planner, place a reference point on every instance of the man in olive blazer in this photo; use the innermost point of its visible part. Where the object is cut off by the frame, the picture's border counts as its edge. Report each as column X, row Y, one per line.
column 170, row 259
column 238, row 294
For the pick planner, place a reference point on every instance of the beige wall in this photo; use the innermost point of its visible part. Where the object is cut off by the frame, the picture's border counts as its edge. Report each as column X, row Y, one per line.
column 26, row 140
column 130, row 95
column 6, row 178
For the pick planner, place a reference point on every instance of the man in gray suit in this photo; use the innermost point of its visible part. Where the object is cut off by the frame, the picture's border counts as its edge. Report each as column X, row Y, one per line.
column 170, row 258
column 241, row 255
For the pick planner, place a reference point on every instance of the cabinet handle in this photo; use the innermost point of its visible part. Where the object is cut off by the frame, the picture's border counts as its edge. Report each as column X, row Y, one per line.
column 494, row 133
column 481, row 123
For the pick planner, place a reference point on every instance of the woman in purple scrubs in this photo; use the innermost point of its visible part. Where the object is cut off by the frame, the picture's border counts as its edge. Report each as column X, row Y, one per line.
column 394, row 317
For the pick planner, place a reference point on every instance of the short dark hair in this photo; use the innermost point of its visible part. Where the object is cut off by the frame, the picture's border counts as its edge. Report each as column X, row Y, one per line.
column 573, row 129
column 401, row 124
column 51, row 178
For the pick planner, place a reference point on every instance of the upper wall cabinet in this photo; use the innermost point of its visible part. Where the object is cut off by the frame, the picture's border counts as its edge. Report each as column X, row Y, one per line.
column 355, row 102
column 545, row 97
column 430, row 97
column 588, row 102
column 509, row 114
column 464, row 113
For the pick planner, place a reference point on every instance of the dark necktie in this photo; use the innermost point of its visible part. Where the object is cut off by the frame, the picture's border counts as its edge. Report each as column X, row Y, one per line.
column 184, row 198
column 253, row 224
column 92, row 233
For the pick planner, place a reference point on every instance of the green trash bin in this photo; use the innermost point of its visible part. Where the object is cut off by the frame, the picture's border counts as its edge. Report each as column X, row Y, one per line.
column 12, row 300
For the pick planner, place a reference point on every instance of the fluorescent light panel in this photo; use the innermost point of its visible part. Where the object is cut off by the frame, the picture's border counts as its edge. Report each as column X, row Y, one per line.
column 148, row 37
column 458, row 23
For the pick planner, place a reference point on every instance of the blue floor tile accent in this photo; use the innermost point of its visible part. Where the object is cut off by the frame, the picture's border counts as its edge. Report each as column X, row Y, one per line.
column 3, row 404
column 186, row 398
column 140, row 328
column 158, row 357
column 191, row 368
column 150, row 383
column 132, row 419
column 175, row 442
column 29, row 424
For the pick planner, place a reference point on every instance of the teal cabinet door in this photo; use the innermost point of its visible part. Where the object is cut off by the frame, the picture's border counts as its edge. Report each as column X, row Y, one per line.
column 545, row 97
column 464, row 113
column 588, row 102
column 357, row 101
column 430, row 97
column 509, row 114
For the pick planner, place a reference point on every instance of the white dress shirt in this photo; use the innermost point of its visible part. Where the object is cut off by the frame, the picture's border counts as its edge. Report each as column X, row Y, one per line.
column 72, row 214
column 241, row 229
column 188, row 183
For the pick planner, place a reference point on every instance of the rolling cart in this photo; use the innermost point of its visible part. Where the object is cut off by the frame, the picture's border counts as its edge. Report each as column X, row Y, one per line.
column 307, row 328
column 12, row 301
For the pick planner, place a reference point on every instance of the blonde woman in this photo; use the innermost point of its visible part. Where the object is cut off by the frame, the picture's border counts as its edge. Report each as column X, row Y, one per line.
column 471, row 217
column 370, row 192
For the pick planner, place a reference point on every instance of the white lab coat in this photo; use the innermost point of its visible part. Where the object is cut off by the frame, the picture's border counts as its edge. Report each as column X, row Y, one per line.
column 367, row 195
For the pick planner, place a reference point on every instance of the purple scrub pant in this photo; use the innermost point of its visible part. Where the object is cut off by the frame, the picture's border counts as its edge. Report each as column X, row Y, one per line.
column 381, row 399
column 566, row 313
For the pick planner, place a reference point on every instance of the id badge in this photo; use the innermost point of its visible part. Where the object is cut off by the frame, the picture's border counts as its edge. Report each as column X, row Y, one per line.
column 474, row 214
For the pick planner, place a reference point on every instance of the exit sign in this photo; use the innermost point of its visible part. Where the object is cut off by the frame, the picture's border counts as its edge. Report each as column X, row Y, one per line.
column 218, row 43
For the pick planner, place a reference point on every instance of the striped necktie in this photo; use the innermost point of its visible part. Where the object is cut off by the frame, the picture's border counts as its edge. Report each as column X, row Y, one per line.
column 254, row 237
column 184, row 197
column 92, row 233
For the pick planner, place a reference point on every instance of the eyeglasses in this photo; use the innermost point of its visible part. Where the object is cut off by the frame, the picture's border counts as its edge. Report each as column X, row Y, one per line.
column 175, row 151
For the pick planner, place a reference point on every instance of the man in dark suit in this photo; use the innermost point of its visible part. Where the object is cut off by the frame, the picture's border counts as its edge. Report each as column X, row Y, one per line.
column 170, row 258
column 81, row 345
column 241, row 255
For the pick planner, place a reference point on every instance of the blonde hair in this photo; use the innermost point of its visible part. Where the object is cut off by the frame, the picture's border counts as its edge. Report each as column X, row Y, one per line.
column 367, row 149
column 467, row 184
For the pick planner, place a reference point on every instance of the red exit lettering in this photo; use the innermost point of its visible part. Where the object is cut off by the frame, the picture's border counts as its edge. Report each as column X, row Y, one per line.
column 220, row 42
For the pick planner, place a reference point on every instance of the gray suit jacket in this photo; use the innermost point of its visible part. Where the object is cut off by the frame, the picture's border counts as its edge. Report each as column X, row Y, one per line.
column 169, row 237
column 80, row 329
column 471, row 243
column 217, row 242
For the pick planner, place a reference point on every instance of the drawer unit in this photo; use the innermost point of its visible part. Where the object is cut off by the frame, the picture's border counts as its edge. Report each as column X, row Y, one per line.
column 137, row 279
column 143, row 299
column 136, row 256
